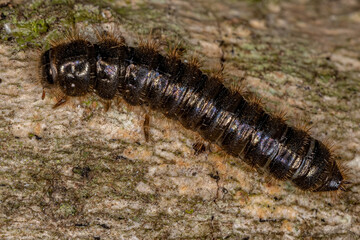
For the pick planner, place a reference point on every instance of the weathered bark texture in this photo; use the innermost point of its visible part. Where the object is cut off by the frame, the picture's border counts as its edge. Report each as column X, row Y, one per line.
column 80, row 172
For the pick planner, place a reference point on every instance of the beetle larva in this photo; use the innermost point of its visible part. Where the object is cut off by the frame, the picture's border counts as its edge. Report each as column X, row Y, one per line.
column 181, row 91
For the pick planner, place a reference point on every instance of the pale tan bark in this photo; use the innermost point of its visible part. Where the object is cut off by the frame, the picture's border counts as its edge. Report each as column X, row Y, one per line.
column 80, row 172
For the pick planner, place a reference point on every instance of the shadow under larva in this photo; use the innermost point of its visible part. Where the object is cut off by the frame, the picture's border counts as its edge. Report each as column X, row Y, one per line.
column 201, row 103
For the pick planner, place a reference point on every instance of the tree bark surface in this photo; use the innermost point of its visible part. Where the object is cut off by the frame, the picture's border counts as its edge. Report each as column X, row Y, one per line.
column 79, row 172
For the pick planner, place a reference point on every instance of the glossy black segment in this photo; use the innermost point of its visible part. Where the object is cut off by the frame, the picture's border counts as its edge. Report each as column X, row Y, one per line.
column 109, row 55
column 281, row 162
column 135, row 81
column 107, row 78
column 74, row 77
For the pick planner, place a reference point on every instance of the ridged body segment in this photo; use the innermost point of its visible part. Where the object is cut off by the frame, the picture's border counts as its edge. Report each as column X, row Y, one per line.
column 200, row 103
column 241, row 128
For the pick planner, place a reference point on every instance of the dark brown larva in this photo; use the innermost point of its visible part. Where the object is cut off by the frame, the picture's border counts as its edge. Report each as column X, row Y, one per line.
column 201, row 103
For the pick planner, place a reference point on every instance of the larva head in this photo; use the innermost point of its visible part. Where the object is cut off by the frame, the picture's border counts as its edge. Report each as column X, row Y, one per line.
column 68, row 66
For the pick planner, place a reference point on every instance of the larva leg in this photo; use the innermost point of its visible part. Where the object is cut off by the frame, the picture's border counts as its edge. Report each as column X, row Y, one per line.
column 43, row 94
column 199, row 147
column 107, row 105
column 60, row 102
column 146, row 127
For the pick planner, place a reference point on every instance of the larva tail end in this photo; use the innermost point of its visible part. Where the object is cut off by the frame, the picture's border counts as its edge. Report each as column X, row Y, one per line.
column 337, row 180
column 343, row 188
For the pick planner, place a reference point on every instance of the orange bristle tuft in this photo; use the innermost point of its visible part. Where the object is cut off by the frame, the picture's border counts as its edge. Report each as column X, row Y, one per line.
column 302, row 125
column 241, row 89
column 280, row 114
column 175, row 52
column 69, row 36
column 194, row 62
column 217, row 74
column 255, row 100
column 112, row 36
column 330, row 144
column 149, row 44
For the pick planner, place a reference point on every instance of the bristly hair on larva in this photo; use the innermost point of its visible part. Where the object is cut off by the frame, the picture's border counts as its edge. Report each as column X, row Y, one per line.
column 236, row 122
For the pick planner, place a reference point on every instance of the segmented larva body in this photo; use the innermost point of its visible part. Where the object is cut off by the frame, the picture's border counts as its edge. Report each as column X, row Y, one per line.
column 142, row 76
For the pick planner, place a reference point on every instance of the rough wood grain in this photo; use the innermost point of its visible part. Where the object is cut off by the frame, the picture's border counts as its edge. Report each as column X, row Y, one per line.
column 78, row 172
